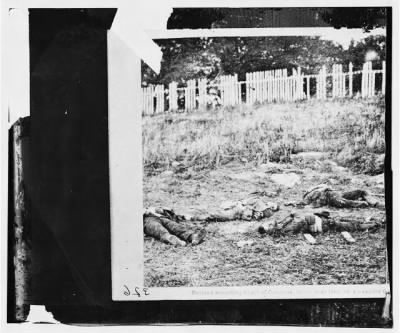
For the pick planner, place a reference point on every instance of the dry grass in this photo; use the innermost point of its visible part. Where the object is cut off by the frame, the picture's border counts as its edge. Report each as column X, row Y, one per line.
column 285, row 260
column 222, row 154
column 270, row 132
column 268, row 261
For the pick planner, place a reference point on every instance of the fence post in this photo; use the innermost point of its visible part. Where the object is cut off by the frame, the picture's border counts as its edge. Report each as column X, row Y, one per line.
column 155, row 98
column 228, row 90
column 186, row 100
column 272, row 73
column 202, row 85
column 255, row 85
column 159, row 95
column 343, row 75
column 279, row 85
column 350, row 79
column 271, row 85
column 152, row 97
column 253, row 88
column 234, row 89
column 159, row 98
column 335, row 81
column 364, row 81
column 299, row 84
column 282, row 86
column 262, row 86
column 294, row 73
column 383, row 77
column 373, row 81
column 238, row 90
column 142, row 100
column 265, row 86
column 149, row 100
column 369, row 70
column 250, row 84
column 222, row 89
column 192, row 93
column 285, row 85
column 247, row 88
column 173, row 96
column 162, row 98
column 147, row 91
column 292, row 87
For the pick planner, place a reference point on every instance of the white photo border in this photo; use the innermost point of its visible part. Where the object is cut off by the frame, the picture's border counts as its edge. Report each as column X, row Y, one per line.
column 127, row 236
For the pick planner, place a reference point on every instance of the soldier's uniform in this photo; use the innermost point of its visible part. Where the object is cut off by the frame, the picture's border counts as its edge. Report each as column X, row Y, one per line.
column 317, row 222
column 163, row 224
column 323, row 195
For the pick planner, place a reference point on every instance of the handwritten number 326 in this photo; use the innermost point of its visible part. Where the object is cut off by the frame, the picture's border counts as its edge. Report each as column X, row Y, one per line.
column 137, row 291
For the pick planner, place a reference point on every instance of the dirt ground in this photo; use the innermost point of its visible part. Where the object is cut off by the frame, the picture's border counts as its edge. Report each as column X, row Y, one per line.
column 285, row 260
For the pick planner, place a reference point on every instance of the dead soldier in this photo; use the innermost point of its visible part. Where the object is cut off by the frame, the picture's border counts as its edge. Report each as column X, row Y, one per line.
column 163, row 224
column 323, row 195
column 252, row 208
column 319, row 222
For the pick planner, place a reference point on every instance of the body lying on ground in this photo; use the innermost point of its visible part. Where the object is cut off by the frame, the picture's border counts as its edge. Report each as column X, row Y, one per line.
column 249, row 209
column 317, row 222
column 164, row 225
column 168, row 227
column 323, row 195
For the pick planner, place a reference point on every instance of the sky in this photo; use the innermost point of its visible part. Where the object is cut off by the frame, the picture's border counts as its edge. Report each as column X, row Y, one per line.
column 344, row 36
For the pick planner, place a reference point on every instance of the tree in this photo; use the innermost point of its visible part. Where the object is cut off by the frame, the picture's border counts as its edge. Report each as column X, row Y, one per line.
column 185, row 59
column 366, row 18
column 357, row 51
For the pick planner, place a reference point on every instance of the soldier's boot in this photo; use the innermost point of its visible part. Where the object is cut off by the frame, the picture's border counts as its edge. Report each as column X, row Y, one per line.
column 173, row 240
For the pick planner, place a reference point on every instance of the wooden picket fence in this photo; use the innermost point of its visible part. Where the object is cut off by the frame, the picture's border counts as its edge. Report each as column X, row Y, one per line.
column 266, row 86
column 274, row 86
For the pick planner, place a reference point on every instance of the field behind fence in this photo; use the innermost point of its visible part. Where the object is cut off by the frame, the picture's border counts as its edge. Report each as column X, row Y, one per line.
column 266, row 86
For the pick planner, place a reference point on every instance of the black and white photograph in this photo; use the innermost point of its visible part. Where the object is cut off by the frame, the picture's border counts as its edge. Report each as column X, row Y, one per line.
column 193, row 163
column 263, row 157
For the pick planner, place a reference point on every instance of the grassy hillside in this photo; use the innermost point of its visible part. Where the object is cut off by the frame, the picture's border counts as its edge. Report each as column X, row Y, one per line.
column 222, row 157
column 353, row 130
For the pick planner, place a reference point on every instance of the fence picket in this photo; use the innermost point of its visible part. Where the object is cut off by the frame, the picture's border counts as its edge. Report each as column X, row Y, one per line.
column 350, row 79
column 383, row 77
column 266, row 86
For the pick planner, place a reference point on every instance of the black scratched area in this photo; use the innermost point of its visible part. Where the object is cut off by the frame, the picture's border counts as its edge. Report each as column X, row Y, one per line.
column 349, row 313
column 206, row 18
column 69, row 140
column 11, row 310
column 70, row 195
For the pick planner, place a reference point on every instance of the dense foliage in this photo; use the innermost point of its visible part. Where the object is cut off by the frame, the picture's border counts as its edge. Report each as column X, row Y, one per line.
column 185, row 59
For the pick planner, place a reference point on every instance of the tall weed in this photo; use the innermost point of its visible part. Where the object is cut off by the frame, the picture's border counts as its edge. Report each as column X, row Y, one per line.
column 350, row 129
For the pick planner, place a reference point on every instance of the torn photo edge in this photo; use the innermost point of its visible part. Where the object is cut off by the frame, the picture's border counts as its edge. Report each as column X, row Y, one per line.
column 127, row 238
column 123, row 252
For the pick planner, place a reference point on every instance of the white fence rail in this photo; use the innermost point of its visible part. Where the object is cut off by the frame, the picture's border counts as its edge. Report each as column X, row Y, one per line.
column 265, row 86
